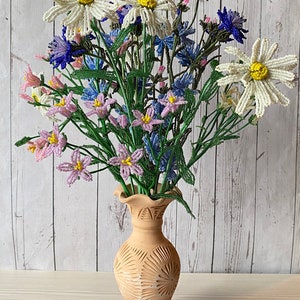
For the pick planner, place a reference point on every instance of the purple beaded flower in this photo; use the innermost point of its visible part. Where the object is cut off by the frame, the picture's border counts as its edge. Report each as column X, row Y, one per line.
column 171, row 103
column 127, row 162
column 77, row 167
column 146, row 120
column 65, row 107
column 56, row 141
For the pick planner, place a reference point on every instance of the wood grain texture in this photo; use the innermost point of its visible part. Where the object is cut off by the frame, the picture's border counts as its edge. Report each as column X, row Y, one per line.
column 276, row 156
column 7, row 257
column 29, row 285
column 235, row 182
column 31, row 189
column 246, row 196
column 195, row 237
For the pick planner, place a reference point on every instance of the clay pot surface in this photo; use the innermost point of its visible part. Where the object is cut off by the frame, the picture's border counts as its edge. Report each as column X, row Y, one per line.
column 147, row 266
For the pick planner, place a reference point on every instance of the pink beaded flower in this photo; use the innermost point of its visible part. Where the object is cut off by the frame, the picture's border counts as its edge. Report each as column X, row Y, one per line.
column 77, row 167
column 127, row 162
column 146, row 121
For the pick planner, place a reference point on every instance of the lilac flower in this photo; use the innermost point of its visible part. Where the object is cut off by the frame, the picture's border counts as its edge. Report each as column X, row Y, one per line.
column 184, row 31
column 146, row 121
column 31, row 80
column 181, row 83
column 38, row 147
column 127, row 162
column 56, row 141
column 187, row 55
column 99, row 106
column 65, row 107
column 163, row 42
column 121, row 120
column 77, row 167
column 62, row 51
column 232, row 22
column 55, row 82
column 158, row 108
column 171, row 103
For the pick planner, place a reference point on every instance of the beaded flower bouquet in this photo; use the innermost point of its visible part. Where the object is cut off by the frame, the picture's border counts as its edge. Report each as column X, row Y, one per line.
column 132, row 76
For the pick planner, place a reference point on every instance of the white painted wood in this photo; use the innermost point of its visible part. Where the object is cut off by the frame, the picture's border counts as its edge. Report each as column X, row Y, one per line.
column 30, row 285
column 246, row 196
column 235, row 180
column 194, row 239
column 276, row 156
column 7, row 259
column 31, row 189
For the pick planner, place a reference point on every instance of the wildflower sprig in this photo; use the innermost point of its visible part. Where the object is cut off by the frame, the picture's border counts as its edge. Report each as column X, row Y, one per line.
column 135, row 91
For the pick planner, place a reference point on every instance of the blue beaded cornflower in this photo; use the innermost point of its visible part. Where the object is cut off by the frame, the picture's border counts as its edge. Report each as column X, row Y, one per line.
column 167, row 41
column 187, row 55
column 232, row 22
column 152, row 146
column 171, row 175
column 111, row 37
column 181, row 83
column 93, row 63
column 184, row 31
column 153, row 149
column 62, row 52
column 91, row 92
column 123, row 11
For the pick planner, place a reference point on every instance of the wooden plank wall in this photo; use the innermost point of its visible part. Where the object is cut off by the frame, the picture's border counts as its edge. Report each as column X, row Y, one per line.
column 246, row 197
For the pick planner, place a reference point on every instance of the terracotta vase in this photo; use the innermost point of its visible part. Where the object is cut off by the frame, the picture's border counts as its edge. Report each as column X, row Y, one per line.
column 147, row 265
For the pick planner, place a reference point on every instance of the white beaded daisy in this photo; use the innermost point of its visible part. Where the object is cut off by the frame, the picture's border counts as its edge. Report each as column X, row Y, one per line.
column 257, row 74
column 152, row 13
column 80, row 13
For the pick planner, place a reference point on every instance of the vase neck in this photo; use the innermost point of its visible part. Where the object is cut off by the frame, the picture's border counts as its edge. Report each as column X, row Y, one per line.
column 147, row 233
column 147, row 221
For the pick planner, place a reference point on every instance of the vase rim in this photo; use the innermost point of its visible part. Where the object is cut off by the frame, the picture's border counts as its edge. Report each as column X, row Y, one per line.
column 119, row 192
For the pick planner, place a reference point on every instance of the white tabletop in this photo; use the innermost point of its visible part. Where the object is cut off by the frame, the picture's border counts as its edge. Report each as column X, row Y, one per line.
column 41, row 285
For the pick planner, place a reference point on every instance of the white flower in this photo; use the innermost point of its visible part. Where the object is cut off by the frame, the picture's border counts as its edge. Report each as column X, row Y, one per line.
column 257, row 73
column 39, row 95
column 152, row 13
column 80, row 13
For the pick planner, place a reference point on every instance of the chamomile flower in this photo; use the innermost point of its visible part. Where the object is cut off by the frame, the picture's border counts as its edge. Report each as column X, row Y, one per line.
column 258, row 73
column 80, row 12
column 151, row 13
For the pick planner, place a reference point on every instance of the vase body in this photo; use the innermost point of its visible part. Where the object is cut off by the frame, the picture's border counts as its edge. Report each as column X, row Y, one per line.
column 147, row 266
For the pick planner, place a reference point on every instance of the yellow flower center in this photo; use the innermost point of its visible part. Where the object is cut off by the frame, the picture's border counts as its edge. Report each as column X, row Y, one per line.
column 53, row 138
column 172, row 99
column 146, row 119
column 61, row 103
column 51, row 83
column 35, row 97
column 127, row 161
column 259, row 71
column 97, row 103
column 148, row 3
column 31, row 148
column 78, row 166
column 85, row 2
